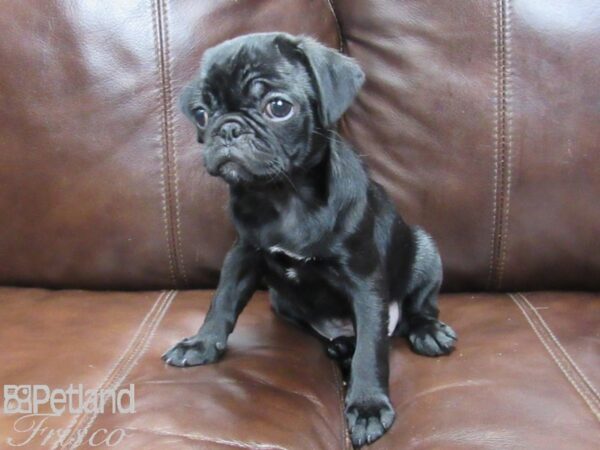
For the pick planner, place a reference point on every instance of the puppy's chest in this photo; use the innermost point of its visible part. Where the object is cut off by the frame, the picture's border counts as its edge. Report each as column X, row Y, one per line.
column 289, row 232
column 291, row 267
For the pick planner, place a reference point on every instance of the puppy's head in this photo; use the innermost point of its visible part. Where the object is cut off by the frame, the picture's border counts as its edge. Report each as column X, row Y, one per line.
column 260, row 99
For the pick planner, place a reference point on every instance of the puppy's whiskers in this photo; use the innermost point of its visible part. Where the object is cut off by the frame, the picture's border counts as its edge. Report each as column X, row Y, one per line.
column 330, row 134
column 288, row 179
column 276, row 169
column 272, row 171
column 337, row 136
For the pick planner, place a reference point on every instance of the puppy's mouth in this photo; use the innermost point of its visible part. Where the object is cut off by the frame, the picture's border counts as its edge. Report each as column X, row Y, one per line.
column 235, row 165
column 232, row 172
column 223, row 161
column 235, row 173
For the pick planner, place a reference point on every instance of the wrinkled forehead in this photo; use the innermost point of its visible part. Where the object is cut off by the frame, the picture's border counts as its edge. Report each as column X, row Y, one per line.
column 233, row 65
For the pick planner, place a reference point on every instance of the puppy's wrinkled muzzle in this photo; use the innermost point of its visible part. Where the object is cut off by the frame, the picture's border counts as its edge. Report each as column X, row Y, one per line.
column 225, row 162
column 230, row 132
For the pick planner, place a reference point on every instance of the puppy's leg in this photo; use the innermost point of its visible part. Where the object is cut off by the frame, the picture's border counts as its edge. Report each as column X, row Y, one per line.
column 340, row 348
column 427, row 335
column 368, row 408
column 239, row 279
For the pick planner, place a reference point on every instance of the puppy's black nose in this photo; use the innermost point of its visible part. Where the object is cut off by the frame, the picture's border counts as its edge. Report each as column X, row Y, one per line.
column 230, row 131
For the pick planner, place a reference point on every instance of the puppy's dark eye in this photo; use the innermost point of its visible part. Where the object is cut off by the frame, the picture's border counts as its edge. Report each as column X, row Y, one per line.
column 201, row 117
column 279, row 109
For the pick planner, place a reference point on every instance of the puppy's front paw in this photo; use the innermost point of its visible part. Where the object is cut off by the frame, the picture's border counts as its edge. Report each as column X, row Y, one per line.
column 369, row 419
column 194, row 351
column 432, row 338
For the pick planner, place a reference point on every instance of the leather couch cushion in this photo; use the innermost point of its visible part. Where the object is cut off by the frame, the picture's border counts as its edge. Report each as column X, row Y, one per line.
column 276, row 385
column 524, row 375
column 511, row 383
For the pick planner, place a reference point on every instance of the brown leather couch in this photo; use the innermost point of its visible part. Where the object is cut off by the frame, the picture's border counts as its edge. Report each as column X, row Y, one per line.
column 480, row 118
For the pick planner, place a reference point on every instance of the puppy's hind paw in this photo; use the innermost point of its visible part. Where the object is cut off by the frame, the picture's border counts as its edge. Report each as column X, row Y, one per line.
column 432, row 338
column 341, row 348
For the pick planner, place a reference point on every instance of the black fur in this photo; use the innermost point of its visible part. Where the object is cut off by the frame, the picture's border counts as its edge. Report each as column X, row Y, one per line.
column 311, row 223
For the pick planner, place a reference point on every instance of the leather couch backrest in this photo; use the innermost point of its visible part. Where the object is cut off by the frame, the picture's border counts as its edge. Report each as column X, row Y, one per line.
column 482, row 119
column 102, row 184
column 479, row 118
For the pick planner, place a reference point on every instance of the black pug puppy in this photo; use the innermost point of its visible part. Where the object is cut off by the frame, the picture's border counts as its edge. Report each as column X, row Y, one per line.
column 311, row 224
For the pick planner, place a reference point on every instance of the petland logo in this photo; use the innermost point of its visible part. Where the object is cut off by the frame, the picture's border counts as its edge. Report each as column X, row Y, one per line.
column 27, row 399
column 36, row 403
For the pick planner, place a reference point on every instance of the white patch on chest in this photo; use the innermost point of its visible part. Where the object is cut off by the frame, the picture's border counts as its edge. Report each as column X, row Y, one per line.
column 290, row 254
column 291, row 274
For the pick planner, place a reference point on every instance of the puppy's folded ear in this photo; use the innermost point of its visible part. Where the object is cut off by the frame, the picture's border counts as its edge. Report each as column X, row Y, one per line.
column 184, row 104
column 338, row 79
column 184, row 100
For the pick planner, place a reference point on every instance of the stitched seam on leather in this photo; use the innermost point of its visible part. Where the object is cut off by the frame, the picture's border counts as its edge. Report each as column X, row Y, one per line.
column 338, row 26
column 502, row 143
column 508, row 120
column 78, row 418
column 171, row 136
column 134, row 356
column 150, row 322
column 496, row 141
column 340, row 393
column 132, row 360
column 563, row 365
column 342, row 125
column 198, row 438
column 561, row 347
column 165, row 171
